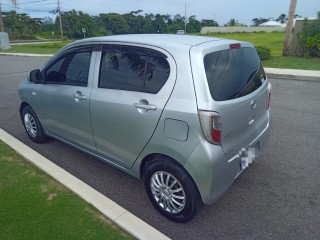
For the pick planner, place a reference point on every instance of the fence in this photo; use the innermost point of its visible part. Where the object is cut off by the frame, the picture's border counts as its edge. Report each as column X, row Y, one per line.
column 206, row 30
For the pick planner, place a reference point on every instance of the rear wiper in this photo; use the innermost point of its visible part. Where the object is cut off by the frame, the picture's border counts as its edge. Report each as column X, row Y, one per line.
column 252, row 75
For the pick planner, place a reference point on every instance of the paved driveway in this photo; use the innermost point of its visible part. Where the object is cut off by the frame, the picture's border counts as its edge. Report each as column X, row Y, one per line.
column 276, row 198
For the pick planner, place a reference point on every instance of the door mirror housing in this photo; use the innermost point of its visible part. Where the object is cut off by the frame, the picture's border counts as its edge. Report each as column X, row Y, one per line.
column 34, row 76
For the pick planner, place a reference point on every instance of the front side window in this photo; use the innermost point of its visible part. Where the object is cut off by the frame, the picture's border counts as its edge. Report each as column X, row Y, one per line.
column 133, row 69
column 71, row 69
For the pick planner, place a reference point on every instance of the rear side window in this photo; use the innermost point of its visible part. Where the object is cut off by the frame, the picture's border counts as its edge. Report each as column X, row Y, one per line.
column 133, row 69
column 233, row 73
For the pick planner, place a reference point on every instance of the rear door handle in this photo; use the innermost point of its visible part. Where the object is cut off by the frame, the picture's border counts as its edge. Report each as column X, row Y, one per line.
column 145, row 107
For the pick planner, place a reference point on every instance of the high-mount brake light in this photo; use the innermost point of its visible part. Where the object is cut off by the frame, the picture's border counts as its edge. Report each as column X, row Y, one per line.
column 235, row 45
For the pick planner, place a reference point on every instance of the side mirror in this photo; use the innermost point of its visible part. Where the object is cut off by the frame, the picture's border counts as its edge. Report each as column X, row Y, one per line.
column 34, row 76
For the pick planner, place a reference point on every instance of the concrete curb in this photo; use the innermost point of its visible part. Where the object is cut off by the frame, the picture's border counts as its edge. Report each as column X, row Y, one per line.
column 304, row 75
column 110, row 209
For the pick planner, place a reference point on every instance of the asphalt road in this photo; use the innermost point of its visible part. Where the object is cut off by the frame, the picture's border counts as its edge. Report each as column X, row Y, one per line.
column 278, row 197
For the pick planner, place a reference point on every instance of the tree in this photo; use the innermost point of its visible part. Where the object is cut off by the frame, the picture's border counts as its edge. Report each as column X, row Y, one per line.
column 288, row 38
column 1, row 19
column 282, row 18
column 258, row 21
column 177, row 23
column 75, row 21
column 193, row 26
column 209, row 23
column 11, row 21
column 234, row 23
column 47, row 25
column 134, row 21
column 159, row 24
column 21, row 23
column 114, row 22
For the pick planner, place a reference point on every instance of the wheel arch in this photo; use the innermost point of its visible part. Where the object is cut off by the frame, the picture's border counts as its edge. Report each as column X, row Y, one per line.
column 147, row 160
column 22, row 106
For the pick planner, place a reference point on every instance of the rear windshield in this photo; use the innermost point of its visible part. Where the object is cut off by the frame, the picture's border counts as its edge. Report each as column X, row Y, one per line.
column 233, row 73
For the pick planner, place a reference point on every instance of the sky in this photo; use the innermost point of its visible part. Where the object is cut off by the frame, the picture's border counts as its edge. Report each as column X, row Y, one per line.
column 219, row 10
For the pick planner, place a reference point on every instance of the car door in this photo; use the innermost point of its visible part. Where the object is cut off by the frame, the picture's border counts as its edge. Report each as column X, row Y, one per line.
column 133, row 86
column 65, row 97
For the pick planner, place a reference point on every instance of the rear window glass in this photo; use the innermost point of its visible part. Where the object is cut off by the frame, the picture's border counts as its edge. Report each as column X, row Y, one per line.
column 233, row 73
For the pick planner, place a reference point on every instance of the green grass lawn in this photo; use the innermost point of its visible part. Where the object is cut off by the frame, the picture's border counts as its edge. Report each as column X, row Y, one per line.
column 34, row 206
column 273, row 40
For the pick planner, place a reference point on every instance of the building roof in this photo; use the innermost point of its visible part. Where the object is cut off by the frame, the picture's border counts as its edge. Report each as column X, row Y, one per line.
column 271, row 24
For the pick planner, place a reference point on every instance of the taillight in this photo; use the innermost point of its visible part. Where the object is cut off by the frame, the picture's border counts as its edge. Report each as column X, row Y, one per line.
column 269, row 96
column 211, row 126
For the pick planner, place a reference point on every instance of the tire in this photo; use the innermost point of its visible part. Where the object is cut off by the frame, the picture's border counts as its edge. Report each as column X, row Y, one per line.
column 32, row 125
column 171, row 190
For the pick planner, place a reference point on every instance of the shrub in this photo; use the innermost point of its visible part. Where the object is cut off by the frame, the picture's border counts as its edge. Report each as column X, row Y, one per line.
column 263, row 52
column 309, row 38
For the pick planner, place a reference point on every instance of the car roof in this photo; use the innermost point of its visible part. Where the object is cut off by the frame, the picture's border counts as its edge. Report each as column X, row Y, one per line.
column 155, row 39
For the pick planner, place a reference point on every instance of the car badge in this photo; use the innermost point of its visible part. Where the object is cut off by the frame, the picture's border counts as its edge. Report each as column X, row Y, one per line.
column 253, row 104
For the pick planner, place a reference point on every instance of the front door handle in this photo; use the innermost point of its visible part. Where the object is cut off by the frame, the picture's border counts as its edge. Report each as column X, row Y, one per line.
column 78, row 96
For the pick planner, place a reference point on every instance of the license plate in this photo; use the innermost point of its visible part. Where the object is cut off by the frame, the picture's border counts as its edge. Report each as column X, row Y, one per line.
column 247, row 156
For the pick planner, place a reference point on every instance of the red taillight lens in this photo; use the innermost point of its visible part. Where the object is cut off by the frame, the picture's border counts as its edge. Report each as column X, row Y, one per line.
column 211, row 126
column 216, row 128
column 216, row 136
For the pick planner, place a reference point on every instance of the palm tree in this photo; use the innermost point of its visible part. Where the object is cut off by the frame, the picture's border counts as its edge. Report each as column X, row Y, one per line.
column 288, row 38
column 1, row 20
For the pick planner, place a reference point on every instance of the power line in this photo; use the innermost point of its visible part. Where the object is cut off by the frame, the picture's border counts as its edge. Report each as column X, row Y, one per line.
column 26, row 9
column 23, row 3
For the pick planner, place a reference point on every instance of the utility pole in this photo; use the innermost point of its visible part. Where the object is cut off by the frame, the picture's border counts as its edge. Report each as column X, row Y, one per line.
column 288, row 37
column 60, row 20
column 1, row 21
column 185, row 17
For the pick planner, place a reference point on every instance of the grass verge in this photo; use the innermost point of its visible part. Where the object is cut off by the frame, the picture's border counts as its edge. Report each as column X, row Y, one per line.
column 292, row 63
column 34, row 206
column 273, row 40
column 44, row 48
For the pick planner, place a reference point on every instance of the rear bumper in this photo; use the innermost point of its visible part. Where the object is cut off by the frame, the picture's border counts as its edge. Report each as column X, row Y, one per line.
column 212, row 172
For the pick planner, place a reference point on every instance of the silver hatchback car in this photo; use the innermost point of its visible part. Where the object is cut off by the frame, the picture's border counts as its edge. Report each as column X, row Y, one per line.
column 187, row 114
